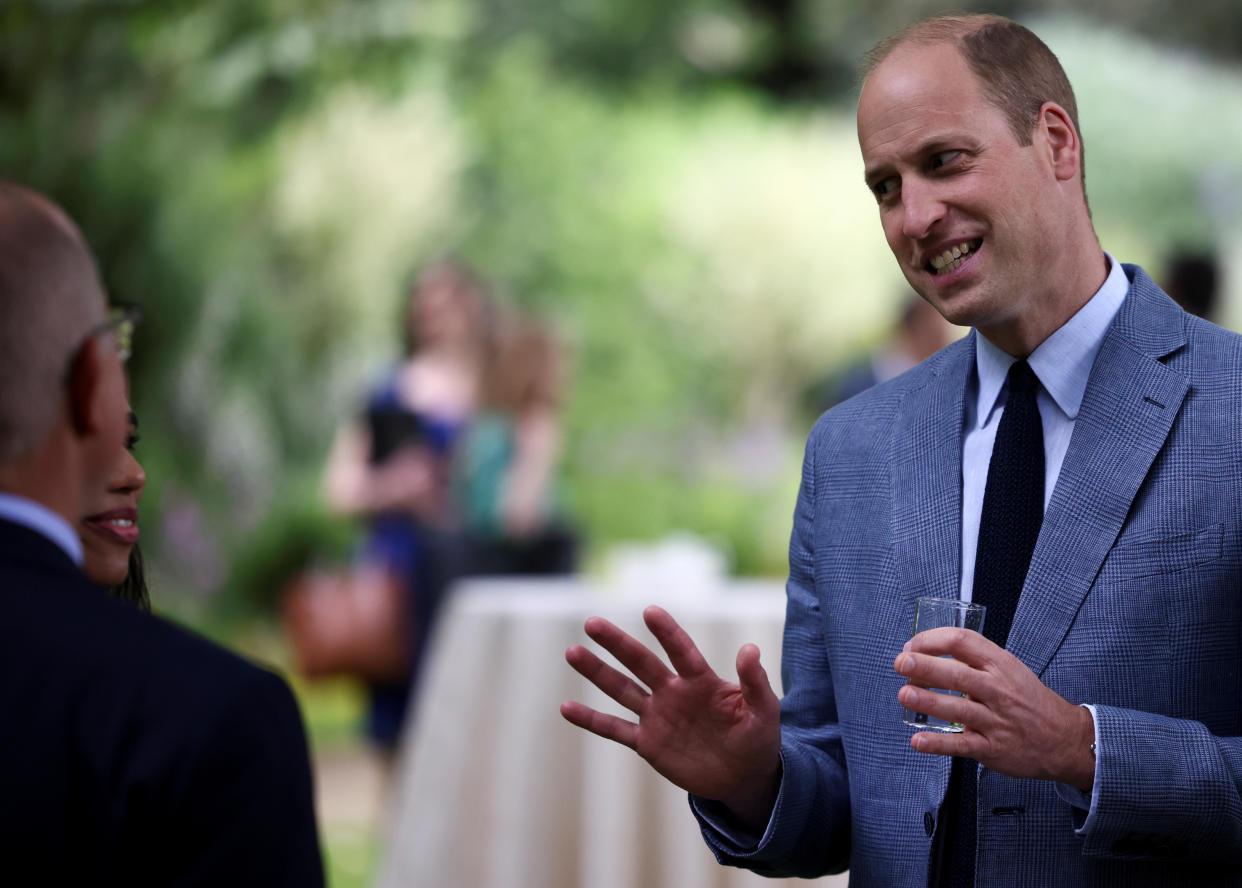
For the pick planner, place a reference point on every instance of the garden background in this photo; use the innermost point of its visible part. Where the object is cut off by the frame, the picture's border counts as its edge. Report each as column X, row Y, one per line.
column 676, row 185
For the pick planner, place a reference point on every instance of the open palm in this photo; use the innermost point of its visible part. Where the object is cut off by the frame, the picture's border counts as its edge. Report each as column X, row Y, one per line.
column 714, row 738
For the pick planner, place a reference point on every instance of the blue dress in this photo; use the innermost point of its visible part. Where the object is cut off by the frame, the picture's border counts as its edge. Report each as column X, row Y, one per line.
column 400, row 543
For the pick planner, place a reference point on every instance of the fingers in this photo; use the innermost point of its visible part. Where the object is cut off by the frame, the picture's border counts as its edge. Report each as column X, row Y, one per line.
column 944, row 673
column 965, row 645
column 613, row 683
column 607, row 726
column 629, row 651
column 950, row 707
column 966, row 744
column 681, row 649
column 753, row 678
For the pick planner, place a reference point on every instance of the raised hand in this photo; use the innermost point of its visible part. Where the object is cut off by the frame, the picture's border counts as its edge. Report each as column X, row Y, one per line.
column 714, row 738
column 1014, row 723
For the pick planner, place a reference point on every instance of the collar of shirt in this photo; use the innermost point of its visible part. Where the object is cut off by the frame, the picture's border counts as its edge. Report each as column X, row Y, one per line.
column 1063, row 361
column 43, row 521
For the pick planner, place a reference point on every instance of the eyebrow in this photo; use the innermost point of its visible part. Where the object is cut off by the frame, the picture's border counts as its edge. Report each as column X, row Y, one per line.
column 133, row 418
column 875, row 175
column 950, row 142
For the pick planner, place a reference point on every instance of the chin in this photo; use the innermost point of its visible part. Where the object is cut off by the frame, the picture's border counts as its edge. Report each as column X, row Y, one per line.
column 107, row 570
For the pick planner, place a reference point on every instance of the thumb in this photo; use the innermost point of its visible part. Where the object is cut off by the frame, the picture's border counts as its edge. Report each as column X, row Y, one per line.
column 753, row 678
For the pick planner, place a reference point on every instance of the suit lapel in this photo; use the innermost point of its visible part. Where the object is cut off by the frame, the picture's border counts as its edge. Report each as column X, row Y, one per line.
column 1127, row 412
column 927, row 480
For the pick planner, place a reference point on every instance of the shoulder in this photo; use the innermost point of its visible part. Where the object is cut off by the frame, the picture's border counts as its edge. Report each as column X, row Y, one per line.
column 868, row 417
column 383, row 391
column 201, row 681
column 1192, row 346
column 120, row 665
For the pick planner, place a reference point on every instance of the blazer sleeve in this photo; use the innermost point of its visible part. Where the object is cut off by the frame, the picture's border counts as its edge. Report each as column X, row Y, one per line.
column 808, row 834
column 1166, row 788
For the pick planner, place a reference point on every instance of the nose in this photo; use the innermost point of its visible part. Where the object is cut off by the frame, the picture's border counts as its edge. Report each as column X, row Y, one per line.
column 921, row 208
column 129, row 476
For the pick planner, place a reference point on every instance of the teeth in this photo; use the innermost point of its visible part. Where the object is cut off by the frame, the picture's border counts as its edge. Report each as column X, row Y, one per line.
column 121, row 522
column 950, row 259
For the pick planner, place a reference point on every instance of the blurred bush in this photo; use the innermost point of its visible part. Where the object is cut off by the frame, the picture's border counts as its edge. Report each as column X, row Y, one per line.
column 292, row 537
column 677, row 185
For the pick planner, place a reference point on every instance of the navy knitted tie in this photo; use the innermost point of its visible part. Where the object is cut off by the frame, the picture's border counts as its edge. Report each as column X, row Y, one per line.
column 1013, row 509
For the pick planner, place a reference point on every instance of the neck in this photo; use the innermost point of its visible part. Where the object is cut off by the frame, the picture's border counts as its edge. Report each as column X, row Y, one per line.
column 1080, row 273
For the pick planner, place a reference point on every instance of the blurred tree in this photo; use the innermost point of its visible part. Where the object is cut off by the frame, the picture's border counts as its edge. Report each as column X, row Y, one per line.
column 670, row 181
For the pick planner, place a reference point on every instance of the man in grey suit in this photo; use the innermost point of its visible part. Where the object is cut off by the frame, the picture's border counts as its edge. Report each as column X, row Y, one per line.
column 1102, row 740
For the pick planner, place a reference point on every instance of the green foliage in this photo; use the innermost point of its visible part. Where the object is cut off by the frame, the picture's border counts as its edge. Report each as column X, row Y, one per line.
column 294, row 535
column 675, row 185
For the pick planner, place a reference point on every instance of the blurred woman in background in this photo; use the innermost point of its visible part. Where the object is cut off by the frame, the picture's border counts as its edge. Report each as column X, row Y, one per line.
column 392, row 465
column 507, row 466
column 109, row 530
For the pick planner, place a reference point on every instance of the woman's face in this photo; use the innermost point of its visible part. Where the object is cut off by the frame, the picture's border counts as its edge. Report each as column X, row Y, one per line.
column 109, row 528
column 444, row 310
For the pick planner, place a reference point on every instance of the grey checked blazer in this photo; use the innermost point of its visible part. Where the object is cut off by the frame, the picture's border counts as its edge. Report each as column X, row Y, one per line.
column 1133, row 603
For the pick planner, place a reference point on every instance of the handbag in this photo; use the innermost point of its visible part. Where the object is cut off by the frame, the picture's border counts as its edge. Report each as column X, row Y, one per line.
column 348, row 621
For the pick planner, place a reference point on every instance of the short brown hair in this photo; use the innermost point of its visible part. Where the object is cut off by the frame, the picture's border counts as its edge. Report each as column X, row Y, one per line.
column 1016, row 70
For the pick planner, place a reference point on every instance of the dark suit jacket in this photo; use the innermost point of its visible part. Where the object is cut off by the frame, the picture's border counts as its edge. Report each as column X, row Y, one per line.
column 1133, row 603
column 135, row 753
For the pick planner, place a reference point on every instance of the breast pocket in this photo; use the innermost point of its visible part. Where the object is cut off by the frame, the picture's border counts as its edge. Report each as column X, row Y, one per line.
column 1134, row 560
column 1157, row 617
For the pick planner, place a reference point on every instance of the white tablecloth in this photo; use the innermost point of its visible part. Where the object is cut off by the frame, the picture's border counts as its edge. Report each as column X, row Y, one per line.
column 496, row 790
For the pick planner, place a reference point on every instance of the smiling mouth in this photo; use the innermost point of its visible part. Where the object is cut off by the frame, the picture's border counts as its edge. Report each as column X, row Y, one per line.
column 121, row 528
column 952, row 258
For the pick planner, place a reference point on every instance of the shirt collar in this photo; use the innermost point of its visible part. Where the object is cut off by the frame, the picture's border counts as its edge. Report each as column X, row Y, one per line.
column 1063, row 361
column 43, row 521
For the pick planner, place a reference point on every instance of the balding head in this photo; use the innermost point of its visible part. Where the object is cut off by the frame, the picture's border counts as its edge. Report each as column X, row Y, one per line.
column 1017, row 71
column 50, row 298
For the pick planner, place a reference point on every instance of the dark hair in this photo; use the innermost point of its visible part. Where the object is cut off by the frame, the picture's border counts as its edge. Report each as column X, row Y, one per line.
column 1193, row 282
column 1017, row 71
column 134, row 587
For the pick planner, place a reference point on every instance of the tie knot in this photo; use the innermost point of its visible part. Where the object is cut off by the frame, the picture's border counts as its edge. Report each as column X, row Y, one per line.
column 1022, row 378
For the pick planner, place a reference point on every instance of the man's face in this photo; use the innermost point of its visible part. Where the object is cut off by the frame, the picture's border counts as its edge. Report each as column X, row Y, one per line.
column 969, row 214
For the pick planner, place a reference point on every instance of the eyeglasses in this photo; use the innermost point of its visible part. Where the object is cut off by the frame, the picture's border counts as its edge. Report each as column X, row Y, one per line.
column 121, row 323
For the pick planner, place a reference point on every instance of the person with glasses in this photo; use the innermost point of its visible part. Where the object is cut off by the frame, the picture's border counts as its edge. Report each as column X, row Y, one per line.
column 132, row 752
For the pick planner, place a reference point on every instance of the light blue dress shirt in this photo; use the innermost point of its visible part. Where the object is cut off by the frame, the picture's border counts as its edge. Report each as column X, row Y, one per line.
column 43, row 521
column 1062, row 363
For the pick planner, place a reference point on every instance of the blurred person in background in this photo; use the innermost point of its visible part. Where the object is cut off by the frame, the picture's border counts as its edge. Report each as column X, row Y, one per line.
column 109, row 530
column 919, row 333
column 506, row 468
column 1193, row 280
column 392, row 466
column 133, row 752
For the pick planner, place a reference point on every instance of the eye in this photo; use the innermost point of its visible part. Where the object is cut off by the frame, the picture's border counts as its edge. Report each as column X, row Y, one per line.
column 131, row 441
column 942, row 159
column 885, row 188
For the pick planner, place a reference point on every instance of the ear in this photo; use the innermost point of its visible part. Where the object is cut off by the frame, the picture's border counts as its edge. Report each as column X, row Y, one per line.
column 86, row 387
column 1062, row 143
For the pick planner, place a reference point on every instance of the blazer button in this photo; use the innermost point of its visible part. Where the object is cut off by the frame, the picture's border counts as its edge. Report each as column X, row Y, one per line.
column 929, row 823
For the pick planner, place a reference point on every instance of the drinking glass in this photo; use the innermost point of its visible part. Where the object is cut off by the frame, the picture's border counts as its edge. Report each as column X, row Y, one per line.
column 932, row 613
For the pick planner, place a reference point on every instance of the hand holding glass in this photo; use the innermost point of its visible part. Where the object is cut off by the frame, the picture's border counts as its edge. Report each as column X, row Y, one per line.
column 932, row 613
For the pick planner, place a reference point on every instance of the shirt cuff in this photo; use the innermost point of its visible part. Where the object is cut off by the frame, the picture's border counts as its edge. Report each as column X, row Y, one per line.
column 731, row 835
column 1082, row 801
